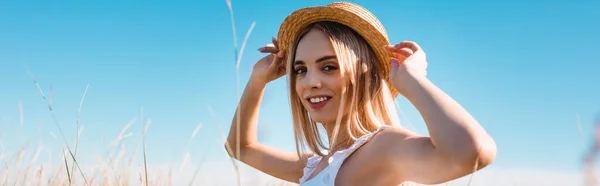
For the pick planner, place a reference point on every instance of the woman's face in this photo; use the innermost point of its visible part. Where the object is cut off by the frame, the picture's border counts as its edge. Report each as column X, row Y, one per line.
column 318, row 77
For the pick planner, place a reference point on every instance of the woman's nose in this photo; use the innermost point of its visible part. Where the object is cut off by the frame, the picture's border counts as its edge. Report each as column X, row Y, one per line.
column 313, row 80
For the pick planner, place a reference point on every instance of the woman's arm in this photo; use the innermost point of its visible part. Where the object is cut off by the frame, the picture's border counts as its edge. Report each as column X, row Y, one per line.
column 283, row 165
column 457, row 145
column 453, row 131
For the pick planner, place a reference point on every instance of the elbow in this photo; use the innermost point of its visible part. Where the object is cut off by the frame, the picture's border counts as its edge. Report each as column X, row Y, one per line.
column 486, row 155
column 231, row 150
column 481, row 154
column 236, row 151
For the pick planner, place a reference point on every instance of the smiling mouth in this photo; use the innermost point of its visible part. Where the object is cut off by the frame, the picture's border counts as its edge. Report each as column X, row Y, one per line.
column 318, row 102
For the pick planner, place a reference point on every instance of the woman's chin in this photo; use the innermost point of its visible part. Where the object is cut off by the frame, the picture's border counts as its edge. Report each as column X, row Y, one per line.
column 322, row 119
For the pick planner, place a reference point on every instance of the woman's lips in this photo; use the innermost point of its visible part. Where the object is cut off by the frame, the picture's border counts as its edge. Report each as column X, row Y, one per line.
column 318, row 102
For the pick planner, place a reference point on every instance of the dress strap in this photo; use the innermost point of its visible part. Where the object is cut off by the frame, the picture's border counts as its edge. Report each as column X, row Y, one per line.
column 311, row 165
column 339, row 157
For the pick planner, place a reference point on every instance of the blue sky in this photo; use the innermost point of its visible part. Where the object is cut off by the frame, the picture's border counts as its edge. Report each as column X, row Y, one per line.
column 525, row 70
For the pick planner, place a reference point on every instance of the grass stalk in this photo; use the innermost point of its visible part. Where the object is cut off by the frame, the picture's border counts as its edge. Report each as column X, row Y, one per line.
column 229, row 151
column 144, row 150
column 78, row 125
column 59, row 128
column 67, row 168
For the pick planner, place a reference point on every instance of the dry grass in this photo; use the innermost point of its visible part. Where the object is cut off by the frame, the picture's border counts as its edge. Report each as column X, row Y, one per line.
column 59, row 129
column 114, row 168
column 20, row 168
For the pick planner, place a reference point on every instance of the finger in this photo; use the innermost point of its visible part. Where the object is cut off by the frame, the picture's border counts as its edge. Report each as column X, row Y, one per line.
column 401, row 53
column 268, row 49
column 410, row 44
column 406, row 46
column 404, row 52
column 390, row 47
column 277, row 60
column 282, row 67
column 274, row 40
column 280, row 55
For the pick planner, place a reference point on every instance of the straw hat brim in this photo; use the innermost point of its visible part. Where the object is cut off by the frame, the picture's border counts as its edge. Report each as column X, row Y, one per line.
column 354, row 16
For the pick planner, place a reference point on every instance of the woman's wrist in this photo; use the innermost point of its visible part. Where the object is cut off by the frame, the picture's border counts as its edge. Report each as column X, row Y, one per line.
column 256, row 81
column 413, row 86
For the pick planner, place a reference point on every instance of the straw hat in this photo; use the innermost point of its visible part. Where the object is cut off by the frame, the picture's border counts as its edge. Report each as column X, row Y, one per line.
column 349, row 14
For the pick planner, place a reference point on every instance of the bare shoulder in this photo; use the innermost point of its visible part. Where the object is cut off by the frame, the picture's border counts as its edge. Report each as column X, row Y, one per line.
column 408, row 156
column 394, row 149
column 394, row 133
column 372, row 160
column 397, row 142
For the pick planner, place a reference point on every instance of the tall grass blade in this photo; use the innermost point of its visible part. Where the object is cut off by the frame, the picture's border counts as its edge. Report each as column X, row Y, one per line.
column 237, row 75
column 78, row 129
column 67, row 167
column 144, row 149
column 58, row 126
column 229, row 151
column 235, row 49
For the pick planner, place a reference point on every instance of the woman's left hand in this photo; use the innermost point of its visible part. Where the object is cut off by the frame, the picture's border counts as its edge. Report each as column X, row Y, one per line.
column 408, row 64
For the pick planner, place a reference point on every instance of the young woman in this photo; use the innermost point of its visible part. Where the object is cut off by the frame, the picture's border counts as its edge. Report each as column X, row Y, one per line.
column 344, row 76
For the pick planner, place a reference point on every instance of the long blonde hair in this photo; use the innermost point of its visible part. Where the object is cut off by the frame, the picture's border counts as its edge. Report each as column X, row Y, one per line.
column 370, row 101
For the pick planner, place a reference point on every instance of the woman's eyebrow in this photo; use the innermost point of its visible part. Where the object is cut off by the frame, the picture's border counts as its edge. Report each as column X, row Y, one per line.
column 324, row 58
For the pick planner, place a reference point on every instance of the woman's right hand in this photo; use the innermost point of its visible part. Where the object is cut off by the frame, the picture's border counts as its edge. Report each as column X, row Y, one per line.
column 270, row 67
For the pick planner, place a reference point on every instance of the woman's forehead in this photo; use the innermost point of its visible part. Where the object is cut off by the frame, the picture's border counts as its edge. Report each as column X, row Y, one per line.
column 314, row 45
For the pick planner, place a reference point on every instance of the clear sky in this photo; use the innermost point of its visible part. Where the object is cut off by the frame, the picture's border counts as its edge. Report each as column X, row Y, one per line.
column 525, row 70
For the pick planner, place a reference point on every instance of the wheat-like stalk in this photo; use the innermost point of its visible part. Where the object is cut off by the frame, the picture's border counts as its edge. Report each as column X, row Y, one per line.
column 67, row 168
column 229, row 151
column 238, row 58
column 144, row 149
column 78, row 129
column 58, row 126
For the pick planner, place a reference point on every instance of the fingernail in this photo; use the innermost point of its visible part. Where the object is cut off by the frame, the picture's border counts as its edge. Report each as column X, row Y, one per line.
column 261, row 49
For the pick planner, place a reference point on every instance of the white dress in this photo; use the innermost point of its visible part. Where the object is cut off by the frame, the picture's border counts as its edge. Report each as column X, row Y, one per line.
column 327, row 176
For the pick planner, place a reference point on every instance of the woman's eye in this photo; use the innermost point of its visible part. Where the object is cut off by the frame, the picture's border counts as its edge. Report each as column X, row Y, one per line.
column 329, row 68
column 299, row 70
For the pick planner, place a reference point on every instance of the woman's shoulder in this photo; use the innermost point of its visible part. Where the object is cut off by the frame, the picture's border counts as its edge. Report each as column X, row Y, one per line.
column 392, row 134
column 391, row 140
column 374, row 158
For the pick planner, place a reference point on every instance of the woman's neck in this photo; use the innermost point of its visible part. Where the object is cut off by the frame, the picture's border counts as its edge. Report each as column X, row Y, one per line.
column 342, row 140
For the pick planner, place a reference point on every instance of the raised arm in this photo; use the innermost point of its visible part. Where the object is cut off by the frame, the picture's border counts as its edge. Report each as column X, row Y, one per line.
column 457, row 145
column 242, row 141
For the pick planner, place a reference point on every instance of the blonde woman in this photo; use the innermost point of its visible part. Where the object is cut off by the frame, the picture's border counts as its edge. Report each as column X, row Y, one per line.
column 344, row 75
